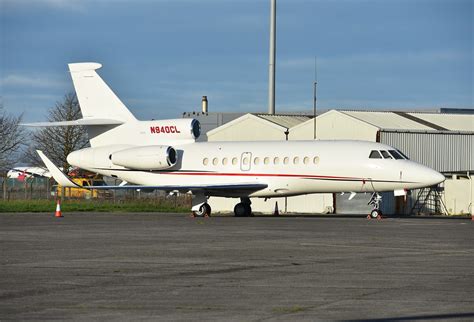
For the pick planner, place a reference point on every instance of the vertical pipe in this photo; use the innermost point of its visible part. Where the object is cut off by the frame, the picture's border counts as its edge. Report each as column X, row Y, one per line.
column 271, row 69
column 204, row 105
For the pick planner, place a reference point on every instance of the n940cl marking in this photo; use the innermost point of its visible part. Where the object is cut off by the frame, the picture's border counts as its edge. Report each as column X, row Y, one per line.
column 164, row 129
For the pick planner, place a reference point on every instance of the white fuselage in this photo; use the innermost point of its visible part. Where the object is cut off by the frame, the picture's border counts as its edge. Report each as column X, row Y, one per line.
column 288, row 168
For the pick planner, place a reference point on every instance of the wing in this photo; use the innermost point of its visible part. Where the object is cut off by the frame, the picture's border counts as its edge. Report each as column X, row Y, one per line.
column 214, row 189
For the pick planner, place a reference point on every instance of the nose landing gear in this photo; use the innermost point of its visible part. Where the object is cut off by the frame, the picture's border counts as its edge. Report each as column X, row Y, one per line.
column 375, row 201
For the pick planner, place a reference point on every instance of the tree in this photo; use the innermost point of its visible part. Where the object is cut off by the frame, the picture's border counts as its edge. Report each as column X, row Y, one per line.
column 11, row 139
column 58, row 142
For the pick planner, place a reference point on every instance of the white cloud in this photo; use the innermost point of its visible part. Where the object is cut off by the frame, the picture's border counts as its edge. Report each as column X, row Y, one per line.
column 31, row 81
column 75, row 5
column 421, row 57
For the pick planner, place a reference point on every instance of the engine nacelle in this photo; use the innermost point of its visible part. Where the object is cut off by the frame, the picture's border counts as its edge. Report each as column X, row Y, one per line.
column 154, row 157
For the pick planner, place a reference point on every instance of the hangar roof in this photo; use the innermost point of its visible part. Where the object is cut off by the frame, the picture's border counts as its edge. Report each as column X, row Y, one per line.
column 278, row 121
column 414, row 120
column 284, row 120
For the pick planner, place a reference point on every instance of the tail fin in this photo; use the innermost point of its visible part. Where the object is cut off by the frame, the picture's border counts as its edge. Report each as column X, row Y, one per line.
column 96, row 99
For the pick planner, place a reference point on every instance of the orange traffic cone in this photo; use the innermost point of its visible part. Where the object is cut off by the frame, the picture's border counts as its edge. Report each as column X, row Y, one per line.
column 58, row 210
column 276, row 212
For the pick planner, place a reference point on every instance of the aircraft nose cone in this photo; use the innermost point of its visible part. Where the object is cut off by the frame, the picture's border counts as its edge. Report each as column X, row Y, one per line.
column 437, row 177
column 432, row 177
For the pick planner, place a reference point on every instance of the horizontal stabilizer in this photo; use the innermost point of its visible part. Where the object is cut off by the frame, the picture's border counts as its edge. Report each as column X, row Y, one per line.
column 81, row 67
column 87, row 121
column 60, row 177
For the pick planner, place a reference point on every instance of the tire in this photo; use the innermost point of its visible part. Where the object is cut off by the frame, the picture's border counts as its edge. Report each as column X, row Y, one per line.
column 248, row 210
column 240, row 210
column 207, row 209
column 375, row 213
column 204, row 210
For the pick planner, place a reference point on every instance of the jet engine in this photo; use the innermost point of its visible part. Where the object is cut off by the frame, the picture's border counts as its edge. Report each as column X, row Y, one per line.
column 153, row 157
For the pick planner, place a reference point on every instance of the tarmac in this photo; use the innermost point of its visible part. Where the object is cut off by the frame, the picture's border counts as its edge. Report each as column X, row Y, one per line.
column 170, row 267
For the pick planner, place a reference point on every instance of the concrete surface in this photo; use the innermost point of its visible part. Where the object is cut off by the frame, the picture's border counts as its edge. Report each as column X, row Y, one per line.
column 169, row 267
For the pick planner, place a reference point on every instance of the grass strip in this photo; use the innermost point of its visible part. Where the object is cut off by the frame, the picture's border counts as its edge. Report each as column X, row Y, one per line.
column 92, row 205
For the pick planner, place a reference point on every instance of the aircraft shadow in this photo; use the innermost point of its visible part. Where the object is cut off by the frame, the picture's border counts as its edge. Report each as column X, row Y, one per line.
column 420, row 317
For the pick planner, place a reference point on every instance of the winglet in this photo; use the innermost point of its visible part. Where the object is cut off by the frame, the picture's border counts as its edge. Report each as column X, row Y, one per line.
column 60, row 177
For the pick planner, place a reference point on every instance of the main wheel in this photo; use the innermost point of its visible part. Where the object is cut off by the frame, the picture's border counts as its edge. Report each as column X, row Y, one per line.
column 248, row 210
column 242, row 210
column 204, row 210
column 375, row 213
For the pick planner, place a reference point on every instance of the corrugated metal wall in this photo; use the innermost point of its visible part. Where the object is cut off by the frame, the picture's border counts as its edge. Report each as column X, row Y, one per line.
column 442, row 151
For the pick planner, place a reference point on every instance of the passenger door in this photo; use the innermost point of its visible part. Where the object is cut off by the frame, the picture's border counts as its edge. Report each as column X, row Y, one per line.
column 246, row 161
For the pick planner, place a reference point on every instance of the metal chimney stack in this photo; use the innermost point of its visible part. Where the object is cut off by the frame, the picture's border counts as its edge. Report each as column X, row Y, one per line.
column 271, row 69
column 204, row 105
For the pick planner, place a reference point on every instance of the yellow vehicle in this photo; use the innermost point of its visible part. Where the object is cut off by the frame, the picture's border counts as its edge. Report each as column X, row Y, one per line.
column 79, row 192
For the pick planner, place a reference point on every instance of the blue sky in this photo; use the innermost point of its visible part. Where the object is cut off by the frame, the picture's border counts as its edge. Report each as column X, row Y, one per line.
column 161, row 56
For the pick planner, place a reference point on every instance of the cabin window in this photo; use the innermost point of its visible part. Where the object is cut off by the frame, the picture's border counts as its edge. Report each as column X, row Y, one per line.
column 306, row 160
column 395, row 154
column 374, row 154
column 224, row 161
column 276, row 160
column 215, row 161
column 266, row 160
column 296, row 160
column 245, row 160
column 385, row 155
column 256, row 160
column 205, row 161
column 316, row 160
column 234, row 161
column 286, row 160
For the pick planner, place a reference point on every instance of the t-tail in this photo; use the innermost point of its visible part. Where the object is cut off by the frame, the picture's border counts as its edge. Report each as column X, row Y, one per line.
column 109, row 122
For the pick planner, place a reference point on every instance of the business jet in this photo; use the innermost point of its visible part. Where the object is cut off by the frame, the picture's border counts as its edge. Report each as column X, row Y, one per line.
column 164, row 155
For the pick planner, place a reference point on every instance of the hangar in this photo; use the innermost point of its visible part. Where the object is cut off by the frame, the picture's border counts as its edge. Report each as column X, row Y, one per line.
column 443, row 140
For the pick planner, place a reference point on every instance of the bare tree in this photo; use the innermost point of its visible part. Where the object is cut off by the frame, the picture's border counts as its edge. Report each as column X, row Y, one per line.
column 11, row 139
column 58, row 142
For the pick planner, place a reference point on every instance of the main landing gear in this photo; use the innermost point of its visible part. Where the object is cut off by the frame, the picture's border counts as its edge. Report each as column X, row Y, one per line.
column 200, row 206
column 243, row 208
column 204, row 210
column 375, row 201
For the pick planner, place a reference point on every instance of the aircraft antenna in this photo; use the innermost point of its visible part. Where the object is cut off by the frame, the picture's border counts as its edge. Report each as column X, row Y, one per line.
column 271, row 66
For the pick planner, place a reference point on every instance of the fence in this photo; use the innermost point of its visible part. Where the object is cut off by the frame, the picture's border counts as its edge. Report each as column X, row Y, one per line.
column 40, row 188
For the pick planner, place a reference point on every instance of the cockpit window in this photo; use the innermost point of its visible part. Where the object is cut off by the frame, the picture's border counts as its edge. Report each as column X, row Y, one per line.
column 374, row 154
column 395, row 154
column 386, row 155
column 403, row 154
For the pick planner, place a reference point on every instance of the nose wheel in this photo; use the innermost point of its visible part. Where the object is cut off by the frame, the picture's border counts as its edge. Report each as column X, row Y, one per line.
column 375, row 201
